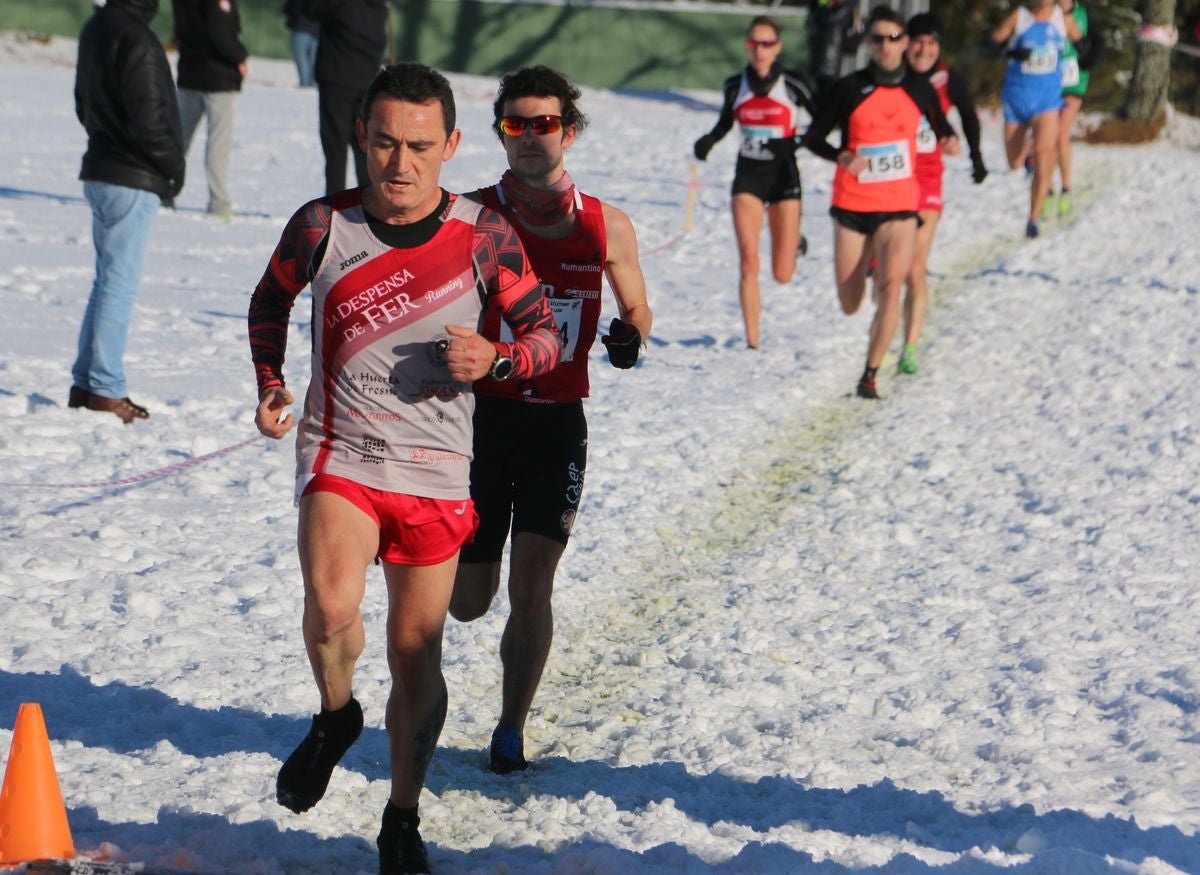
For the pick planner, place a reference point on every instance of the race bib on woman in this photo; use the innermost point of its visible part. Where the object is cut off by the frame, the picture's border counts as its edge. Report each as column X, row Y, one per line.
column 886, row 162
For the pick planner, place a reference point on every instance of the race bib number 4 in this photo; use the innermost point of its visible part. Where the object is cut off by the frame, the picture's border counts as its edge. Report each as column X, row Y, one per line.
column 886, row 162
column 568, row 313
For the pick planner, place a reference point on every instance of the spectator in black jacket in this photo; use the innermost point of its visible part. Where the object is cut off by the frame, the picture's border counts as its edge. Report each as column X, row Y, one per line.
column 305, row 37
column 126, row 101
column 834, row 30
column 352, row 42
column 212, row 65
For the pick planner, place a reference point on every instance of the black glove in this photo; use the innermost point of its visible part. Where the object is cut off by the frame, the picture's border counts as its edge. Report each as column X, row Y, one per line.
column 623, row 343
column 1020, row 53
column 703, row 146
column 978, row 171
column 989, row 48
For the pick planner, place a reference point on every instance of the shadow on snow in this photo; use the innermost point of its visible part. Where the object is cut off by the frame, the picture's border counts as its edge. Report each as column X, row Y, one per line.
column 125, row 719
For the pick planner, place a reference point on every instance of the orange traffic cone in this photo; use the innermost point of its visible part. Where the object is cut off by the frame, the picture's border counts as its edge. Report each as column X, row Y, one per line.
column 33, row 820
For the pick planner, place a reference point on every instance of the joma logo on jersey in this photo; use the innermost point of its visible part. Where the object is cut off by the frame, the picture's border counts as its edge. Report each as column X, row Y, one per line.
column 353, row 259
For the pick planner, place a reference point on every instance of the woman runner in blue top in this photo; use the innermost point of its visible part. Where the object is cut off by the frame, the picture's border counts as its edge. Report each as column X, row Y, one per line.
column 1032, row 91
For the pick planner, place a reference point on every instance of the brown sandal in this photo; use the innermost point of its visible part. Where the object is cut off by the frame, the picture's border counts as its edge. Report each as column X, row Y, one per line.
column 122, row 407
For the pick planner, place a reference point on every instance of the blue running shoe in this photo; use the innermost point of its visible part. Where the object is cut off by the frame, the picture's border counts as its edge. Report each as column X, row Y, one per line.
column 1031, row 229
column 508, row 749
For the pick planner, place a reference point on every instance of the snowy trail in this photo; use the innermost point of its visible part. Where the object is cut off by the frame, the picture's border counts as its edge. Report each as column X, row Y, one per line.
column 952, row 632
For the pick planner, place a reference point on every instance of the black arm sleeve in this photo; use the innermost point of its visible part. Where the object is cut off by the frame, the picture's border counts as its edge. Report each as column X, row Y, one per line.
column 960, row 96
column 927, row 101
column 833, row 112
column 1090, row 47
column 725, row 121
column 801, row 92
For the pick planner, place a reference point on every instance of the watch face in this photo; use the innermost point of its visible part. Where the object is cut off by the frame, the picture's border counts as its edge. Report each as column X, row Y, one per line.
column 502, row 369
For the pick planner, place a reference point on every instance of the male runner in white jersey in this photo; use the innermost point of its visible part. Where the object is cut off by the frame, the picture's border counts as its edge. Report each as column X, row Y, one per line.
column 531, row 449
column 400, row 272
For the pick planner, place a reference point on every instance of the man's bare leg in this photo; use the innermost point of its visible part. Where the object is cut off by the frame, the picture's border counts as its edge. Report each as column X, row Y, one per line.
column 530, row 628
column 475, row 586
column 418, row 599
column 337, row 542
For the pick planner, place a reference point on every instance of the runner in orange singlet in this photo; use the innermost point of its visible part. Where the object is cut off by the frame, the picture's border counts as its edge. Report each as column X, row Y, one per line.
column 875, row 191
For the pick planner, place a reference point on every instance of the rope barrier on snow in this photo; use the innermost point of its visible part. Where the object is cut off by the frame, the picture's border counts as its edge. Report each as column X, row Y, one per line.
column 140, row 478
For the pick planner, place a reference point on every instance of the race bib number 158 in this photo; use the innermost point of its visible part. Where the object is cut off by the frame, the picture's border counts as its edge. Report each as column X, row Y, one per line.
column 886, row 162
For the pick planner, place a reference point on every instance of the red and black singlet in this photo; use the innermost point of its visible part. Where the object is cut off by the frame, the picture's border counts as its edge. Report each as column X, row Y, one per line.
column 571, row 270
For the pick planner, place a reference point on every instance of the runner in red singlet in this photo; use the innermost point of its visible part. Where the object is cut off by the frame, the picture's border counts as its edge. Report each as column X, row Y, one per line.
column 924, row 49
column 531, row 434
column 875, row 192
column 767, row 103
column 400, row 273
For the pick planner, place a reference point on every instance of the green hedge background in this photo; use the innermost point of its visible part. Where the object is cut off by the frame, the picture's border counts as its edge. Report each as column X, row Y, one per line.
column 648, row 48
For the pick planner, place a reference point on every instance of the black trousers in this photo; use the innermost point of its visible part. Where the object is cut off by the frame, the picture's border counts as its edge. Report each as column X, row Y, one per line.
column 338, row 108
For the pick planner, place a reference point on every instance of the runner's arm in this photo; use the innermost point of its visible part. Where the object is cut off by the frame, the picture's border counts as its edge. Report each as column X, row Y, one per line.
column 801, row 92
column 511, row 285
column 285, row 277
column 926, row 99
column 960, row 96
column 1005, row 29
column 833, row 112
column 624, row 271
column 1092, row 44
column 724, row 121
column 1074, row 34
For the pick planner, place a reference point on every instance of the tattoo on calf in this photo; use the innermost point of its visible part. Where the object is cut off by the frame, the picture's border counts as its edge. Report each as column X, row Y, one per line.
column 427, row 735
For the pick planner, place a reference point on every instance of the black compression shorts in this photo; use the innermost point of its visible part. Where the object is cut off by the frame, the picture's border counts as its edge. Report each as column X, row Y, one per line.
column 769, row 181
column 527, row 472
column 868, row 223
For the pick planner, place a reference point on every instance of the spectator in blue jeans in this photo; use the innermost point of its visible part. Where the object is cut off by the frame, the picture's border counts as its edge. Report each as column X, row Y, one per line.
column 134, row 161
column 305, row 37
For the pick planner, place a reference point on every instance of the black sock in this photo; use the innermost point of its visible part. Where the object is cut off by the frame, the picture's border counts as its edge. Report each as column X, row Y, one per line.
column 869, row 373
column 340, row 715
column 394, row 817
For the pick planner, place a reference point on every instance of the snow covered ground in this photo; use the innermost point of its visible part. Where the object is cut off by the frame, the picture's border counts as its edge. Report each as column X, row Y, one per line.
column 953, row 631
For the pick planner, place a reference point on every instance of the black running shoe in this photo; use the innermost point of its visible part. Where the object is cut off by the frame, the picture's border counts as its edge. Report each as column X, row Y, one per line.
column 508, row 749
column 401, row 850
column 303, row 778
column 802, row 248
column 866, row 388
